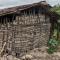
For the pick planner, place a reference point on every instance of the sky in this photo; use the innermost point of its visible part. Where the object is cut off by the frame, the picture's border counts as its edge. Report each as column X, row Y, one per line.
column 11, row 3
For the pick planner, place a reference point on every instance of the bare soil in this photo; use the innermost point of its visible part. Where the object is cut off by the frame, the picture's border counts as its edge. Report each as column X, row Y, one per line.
column 36, row 54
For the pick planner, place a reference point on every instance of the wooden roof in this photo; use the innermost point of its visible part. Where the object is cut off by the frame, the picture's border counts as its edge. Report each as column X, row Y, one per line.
column 23, row 7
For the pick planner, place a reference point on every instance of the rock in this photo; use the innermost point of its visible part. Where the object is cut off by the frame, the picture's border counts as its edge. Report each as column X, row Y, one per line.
column 4, row 57
column 27, row 57
column 8, row 57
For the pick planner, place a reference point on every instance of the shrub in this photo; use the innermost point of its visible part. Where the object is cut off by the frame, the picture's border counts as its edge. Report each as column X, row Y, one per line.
column 53, row 44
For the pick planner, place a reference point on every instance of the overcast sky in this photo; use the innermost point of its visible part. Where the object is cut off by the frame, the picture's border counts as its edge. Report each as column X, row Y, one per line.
column 10, row 3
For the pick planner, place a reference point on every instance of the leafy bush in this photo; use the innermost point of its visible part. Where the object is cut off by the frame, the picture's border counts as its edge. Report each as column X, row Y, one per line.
column 56, row 9
column 53, row 44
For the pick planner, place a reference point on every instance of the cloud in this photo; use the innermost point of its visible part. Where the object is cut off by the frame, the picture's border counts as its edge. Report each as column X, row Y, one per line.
column 10, row 3
column 53, row 2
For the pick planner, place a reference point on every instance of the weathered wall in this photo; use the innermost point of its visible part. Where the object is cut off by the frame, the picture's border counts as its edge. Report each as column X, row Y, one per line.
column 25, row 33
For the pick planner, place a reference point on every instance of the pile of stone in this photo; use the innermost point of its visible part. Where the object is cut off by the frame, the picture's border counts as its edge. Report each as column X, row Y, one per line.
column 36, row 54
column 41, row 54
column 8, row 57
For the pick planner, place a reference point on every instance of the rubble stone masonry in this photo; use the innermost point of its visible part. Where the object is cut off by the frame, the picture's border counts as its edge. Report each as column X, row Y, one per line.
column 25, row 33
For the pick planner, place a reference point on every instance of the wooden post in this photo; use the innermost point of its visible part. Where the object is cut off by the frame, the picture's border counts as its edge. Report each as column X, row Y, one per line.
column 39, row 21
column 33, row 29
column 0, row 23
column 7, row 34
column 26, row 16
column 3, row 39
column 3, row 49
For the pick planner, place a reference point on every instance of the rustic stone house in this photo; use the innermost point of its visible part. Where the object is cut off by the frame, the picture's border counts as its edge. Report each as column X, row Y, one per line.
column 25, row 27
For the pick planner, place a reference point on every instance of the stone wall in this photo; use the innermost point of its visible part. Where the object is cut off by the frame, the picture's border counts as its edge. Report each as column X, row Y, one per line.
column 25, row 33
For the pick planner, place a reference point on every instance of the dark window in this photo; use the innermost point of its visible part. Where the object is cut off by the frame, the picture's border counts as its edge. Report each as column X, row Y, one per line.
column 7, row 18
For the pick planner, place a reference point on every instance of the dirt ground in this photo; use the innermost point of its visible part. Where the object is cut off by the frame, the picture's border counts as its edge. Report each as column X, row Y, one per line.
column 36, row 54
column 9, row 57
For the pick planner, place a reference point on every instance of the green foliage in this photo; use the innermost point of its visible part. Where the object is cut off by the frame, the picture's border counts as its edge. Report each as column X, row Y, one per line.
column 53, row 44
column 51, row 50
column 56, row 9
column 55, row 34
column 54, row 41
